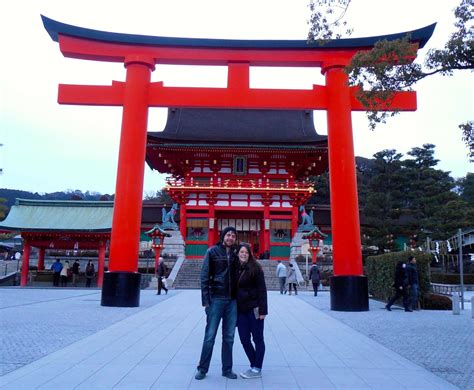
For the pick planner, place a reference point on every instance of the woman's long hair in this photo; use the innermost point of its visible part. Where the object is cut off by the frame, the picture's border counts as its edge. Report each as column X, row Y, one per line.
column 252, row 265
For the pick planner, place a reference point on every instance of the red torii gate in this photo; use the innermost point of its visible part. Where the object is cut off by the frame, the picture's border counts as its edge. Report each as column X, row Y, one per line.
column 140, row 53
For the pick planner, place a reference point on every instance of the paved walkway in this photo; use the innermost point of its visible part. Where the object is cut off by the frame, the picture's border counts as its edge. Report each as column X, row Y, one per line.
column 157, row 345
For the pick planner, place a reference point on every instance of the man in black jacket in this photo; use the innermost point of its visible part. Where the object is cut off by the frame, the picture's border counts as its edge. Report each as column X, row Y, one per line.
column 218, row 292
column 400, row 286
column 161, row 274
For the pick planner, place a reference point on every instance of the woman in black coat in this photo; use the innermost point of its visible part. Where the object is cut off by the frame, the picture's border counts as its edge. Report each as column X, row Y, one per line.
column 252, row 309
column 400, row 286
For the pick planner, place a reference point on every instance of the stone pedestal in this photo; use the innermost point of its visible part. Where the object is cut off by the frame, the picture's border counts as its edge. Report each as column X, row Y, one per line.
column 173, row 245
column 296, row 246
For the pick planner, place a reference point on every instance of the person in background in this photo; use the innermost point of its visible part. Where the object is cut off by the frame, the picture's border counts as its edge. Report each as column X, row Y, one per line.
column 251, row 308
column 64, row 274
column 281, row 273
column 90, row 273
column 56, row 268
column 161, row 274
column 75, row 272
column 292, row 279
column 315, row 277
column 400, row 286
column 413, row 282
column 218, row 294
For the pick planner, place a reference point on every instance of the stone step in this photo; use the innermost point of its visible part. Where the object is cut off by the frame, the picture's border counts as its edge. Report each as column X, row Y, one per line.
column 189, row 274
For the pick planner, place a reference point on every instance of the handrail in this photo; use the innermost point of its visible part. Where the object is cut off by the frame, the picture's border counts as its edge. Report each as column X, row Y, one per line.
column 238, row 183
column 446, row 289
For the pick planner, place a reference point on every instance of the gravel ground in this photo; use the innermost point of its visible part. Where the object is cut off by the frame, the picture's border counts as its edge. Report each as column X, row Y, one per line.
column 439, row 341
column 30, row 331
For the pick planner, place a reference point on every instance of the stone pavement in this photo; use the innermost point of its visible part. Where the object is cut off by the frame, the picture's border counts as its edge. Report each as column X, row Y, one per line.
column 158, row 344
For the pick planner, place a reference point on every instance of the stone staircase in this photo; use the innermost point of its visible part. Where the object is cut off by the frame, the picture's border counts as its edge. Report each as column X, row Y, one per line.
column 189, row 275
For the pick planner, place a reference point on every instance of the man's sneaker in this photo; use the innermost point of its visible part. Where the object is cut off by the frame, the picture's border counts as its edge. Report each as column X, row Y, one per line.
column 199, row 375
column 251, row 373
column 230, row 375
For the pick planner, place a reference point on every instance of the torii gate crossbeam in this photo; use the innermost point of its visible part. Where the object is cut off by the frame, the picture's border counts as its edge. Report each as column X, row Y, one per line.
column 140, row 54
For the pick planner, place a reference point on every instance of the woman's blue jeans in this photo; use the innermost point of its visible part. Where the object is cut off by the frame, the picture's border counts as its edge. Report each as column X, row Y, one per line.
column 225, row 309
column 250, row 327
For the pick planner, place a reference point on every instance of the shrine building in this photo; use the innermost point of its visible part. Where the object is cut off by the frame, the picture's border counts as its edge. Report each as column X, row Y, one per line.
column 238, row 167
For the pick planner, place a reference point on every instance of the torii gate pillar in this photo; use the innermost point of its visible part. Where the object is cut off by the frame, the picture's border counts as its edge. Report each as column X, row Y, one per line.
column 349, row 287
column 121, row 285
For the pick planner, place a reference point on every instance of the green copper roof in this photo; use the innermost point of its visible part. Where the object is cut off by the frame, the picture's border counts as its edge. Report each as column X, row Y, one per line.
column 59, row 215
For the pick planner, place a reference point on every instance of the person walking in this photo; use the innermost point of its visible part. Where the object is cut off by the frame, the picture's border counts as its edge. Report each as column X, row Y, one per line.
column 315, row 277
column 400, row 286
column 75, row 272
column 56, row 268
column 161, row 273
column 252, row 309
column 292, row 279
column 413, row 282
column 90, row 272
column 281, row 273
column 64, row 274
column 218, row 294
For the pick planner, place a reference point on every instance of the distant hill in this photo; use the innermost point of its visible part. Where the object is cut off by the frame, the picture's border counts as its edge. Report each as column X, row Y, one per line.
column 11, row 195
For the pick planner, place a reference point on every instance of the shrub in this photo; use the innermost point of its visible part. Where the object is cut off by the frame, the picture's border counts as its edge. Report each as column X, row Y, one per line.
column 451, row 278
column 380, row 272
column 436, row 302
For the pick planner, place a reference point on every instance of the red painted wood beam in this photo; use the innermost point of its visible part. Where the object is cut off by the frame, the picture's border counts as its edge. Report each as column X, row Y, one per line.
column 238, row 95
column 113, row 52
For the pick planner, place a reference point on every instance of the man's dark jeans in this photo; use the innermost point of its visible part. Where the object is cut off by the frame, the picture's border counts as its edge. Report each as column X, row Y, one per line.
column 414, row 291
column 227, row 310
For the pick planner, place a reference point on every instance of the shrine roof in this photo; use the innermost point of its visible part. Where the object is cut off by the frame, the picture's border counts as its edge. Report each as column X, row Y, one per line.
column 59, row 215
column 239, row 126
column 55, row 28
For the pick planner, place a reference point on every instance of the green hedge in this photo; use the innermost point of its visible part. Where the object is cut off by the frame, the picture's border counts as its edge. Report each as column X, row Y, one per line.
column 380, row 272
column 451, row 278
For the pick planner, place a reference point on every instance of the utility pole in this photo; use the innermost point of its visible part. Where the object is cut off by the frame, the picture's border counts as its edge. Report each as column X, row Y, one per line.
column 461, row 267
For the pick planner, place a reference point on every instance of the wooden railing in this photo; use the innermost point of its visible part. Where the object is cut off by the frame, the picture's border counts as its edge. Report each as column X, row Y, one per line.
column 239, row 183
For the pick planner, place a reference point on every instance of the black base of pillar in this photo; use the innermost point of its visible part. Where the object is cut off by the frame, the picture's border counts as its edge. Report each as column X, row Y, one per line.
column 121, row 289
column 349, row 293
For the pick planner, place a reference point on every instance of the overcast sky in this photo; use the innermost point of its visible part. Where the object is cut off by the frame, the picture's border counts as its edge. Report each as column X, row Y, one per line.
column 50, row 147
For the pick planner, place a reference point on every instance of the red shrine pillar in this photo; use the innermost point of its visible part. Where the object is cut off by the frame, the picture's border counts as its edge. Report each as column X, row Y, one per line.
column 294, row 220
column 349, row 290
column 266, row 227
column 121, row 285
column 25, row 263
column 101, row 264
column 41, row 253
column 212, row 224
column 182, row 220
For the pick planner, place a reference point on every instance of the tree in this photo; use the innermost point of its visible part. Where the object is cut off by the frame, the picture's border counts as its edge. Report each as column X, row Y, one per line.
column 161, row 196
column 428, row 189
column 446, row 220
column 321, row 186
column 3, row 209
column 383, row 202
column 466, row 189
column 388, row 67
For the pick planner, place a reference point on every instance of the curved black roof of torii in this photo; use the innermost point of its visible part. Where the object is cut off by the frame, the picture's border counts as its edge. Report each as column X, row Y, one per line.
column 54, row 28
column 204, row 125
